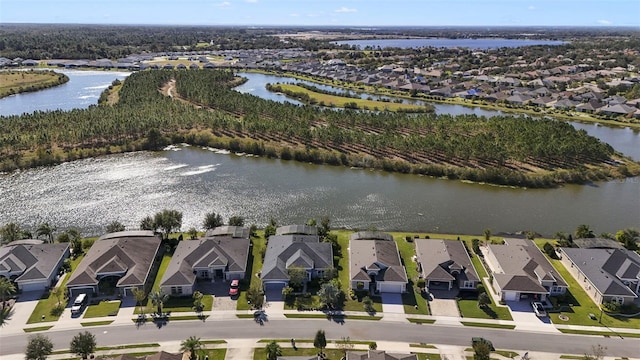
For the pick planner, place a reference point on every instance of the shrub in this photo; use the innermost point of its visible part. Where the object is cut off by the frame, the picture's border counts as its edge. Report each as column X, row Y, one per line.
column 475, row 244
column 57, row 310
column 611, row 306
column 550, row 250
column 420, row 283
column 481, row 289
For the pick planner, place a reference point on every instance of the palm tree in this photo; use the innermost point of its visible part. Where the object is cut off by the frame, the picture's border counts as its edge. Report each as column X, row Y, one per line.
column 139, row 295
column 192, row 345
column 273, row 350
column 6, row 289
column 10, row 232
column 158, row 298
column 59, row 292
column 45, row 229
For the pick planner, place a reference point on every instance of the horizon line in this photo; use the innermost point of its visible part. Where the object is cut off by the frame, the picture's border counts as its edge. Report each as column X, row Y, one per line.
column 368, row 27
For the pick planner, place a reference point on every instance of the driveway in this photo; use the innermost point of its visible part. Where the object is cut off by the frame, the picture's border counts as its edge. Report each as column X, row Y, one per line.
column 23, row 307
column 392, row 303
column 220, row 291
column 526, row 319
column 443, row 303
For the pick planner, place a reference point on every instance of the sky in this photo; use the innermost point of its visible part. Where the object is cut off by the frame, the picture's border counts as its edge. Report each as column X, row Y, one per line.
column 326, row 12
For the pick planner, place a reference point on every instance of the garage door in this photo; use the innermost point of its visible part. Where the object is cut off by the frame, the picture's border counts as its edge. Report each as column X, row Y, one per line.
column 510, row 296
column 32, row 287
column 390, row 288
column 273, row 291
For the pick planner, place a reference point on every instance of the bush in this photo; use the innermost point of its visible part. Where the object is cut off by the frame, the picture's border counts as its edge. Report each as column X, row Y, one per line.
column 611, row 306
column 475, row 244
column 420, row 283
column 57, row 310
column 550, row 250
column 408, row 238
column 481, row 289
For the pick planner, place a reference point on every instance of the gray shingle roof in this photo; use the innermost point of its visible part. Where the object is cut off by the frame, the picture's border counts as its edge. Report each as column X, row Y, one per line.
column 606, row 268
column 231, row 231
column 297, row 229
column 379, row 355
column 130, row 251
column 32, row 260
column 439, row 257
column 284, row 251
column 519, row 259
column 232, row 253
column 375, row 254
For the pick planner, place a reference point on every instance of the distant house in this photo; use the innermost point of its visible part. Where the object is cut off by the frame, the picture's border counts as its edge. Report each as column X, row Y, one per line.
column 213, row 257
column 606, row 275
column 32, row 264
column 122, row 260
column 295, row 246
column 445, row 264
column 374, row 263
column 520, row 271
column 228, row 231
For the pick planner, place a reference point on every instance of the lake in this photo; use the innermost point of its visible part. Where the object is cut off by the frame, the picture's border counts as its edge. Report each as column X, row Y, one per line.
column 480, row 44
column 91, row 193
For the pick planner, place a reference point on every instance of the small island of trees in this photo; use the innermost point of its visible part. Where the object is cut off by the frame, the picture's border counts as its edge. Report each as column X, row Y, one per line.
column 205, row 111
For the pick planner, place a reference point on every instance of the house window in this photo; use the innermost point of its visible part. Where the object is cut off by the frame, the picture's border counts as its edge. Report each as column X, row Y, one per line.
column 468, row 284
column 617, row 299
column 176, row 290
column 556, row 289
column 320, row 273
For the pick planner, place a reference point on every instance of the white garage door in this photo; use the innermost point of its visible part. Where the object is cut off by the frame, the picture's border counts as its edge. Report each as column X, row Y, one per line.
column 390, row 288
column 511, row 296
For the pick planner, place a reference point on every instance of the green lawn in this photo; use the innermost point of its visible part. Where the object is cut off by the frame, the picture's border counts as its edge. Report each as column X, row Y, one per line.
column 413, row 296
column 331, row 354
column 421, row 321
column 254, row 267
column 423, row 356
column 423, row 345
column 96, row 323
column 39, row 328
column 42, row 311
column 102, row 309
column 214, row 354
column 493, row 326
column 470, row 309
column 601, row 333
column 335, row 318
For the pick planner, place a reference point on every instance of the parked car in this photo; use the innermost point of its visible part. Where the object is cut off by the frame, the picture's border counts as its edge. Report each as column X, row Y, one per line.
column 538, row 308
column 233, row 288
column 79, row 303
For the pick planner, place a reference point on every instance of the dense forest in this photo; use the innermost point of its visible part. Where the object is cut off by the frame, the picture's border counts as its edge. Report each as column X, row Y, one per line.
column 56, row 41
column 508, row 150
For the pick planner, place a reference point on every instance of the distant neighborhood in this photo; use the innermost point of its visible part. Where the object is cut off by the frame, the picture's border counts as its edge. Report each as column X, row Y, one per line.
column 590, row 84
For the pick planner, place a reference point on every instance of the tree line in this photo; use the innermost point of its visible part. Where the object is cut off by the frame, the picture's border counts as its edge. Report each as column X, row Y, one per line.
column 458, row 147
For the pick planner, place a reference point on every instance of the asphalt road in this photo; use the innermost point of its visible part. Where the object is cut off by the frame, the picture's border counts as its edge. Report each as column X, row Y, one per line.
column 356, row 330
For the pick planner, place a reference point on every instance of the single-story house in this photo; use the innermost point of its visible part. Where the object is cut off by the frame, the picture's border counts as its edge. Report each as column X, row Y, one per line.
column 520, row 271
column 374, row 263
column 378, row 355
column 31, row 264
column 237, row 232
column 295, row 248
column 123, row 260
column 210, row 258
column 606, row 275
column 445, row 264
column 597, row 243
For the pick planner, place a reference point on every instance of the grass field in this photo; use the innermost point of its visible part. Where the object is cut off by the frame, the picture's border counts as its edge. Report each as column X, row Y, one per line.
column 13, row 82
column 341, row 101
column 102, row 309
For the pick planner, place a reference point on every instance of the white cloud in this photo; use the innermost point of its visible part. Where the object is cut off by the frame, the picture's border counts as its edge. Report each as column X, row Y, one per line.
column 604, row 22
column 222, row 4
column 251, row 1
column 345, row 9
column 294, row 15
column 531, row 7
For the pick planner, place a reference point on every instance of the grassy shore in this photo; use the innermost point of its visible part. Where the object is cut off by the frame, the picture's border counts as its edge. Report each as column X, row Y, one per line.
column 16, row 82
column 317, row 98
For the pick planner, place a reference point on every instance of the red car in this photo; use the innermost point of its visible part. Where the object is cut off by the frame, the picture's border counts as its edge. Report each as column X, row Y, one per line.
column 233, row 288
